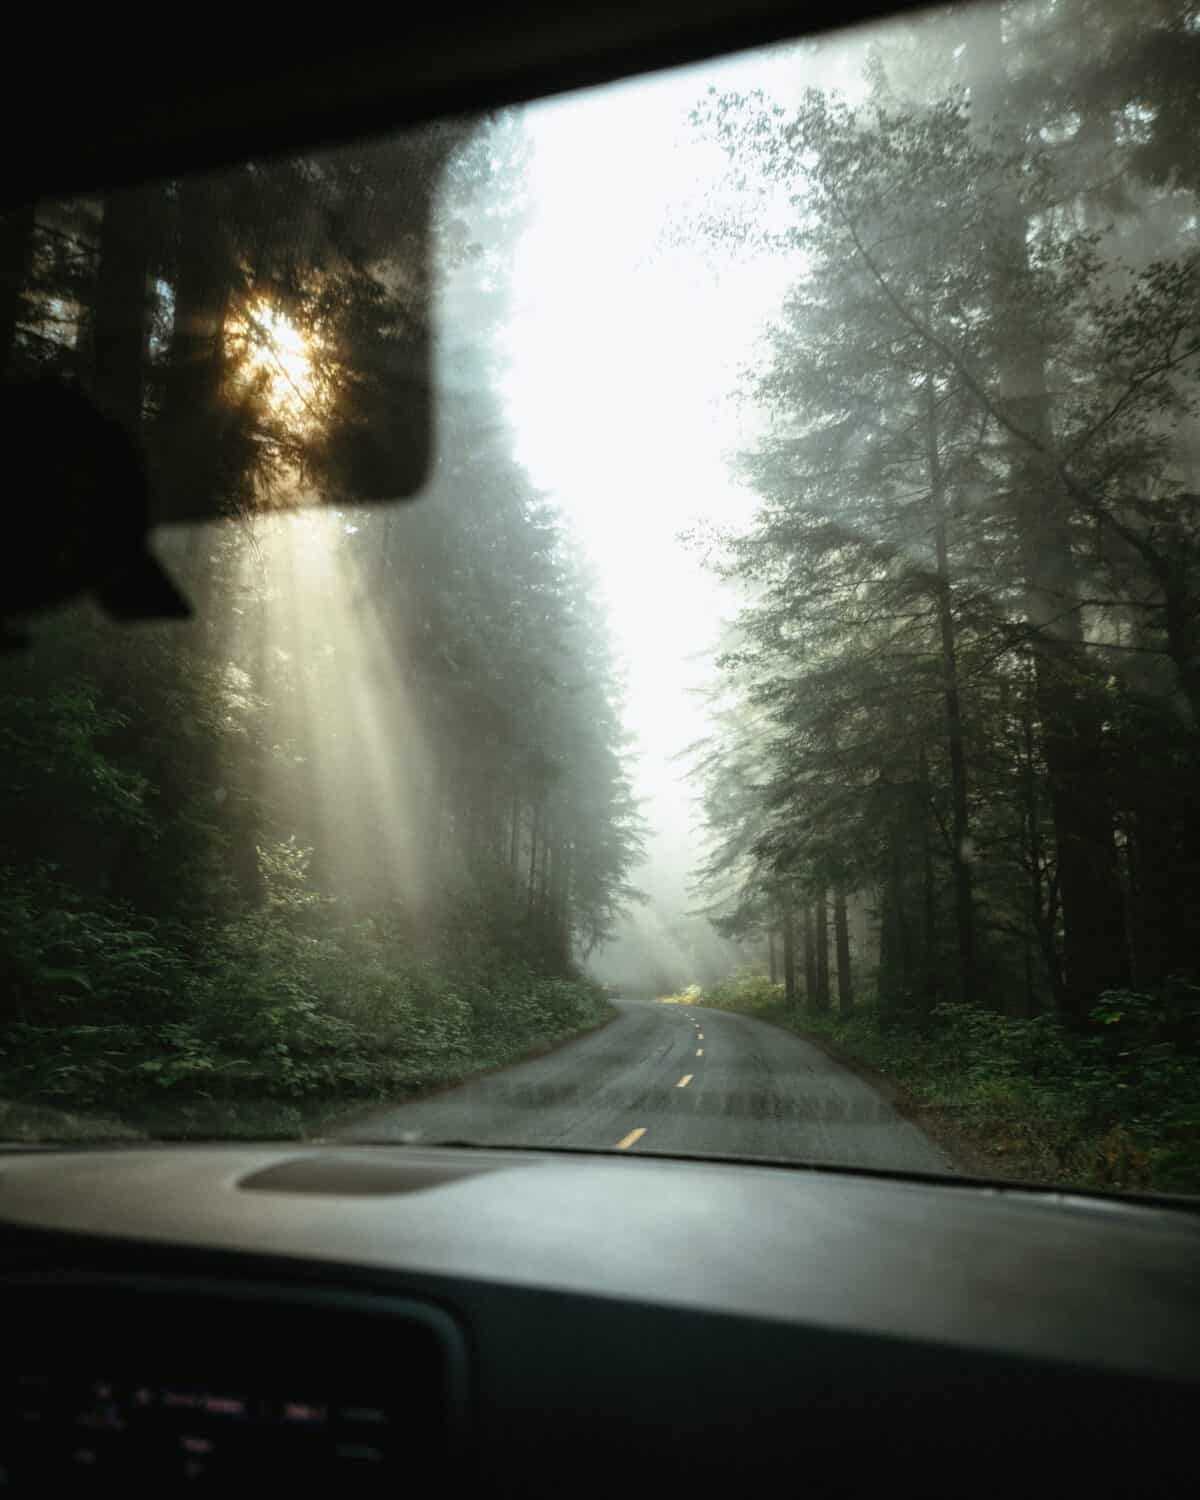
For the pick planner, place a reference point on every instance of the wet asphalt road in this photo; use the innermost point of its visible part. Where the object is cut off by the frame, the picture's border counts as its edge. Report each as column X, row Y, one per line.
column 673, row 1078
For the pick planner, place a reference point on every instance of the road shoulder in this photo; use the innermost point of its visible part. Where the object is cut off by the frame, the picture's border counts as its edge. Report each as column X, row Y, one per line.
column 960, row 1157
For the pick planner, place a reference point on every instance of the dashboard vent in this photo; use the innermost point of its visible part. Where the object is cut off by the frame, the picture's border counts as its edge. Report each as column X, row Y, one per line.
column 354, row 1177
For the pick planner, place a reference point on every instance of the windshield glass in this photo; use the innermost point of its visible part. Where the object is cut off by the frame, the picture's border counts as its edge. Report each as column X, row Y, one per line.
column 773, row 729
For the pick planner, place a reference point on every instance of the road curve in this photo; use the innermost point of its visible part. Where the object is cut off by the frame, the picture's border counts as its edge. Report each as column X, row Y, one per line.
column 750, row 1090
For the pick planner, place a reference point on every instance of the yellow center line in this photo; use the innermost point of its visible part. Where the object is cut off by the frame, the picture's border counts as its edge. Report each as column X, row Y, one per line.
column 631, row 1139
column 685, row 1080
column 699, row 1036
column 699, row 1051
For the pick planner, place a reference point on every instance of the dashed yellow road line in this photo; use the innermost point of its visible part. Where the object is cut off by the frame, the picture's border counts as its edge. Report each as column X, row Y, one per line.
column 685, row 1080
column 699, row 1036
column 631, row 1139
column 699, row 1051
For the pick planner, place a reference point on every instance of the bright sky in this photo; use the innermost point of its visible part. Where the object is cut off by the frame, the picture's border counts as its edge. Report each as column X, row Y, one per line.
column 625, row 349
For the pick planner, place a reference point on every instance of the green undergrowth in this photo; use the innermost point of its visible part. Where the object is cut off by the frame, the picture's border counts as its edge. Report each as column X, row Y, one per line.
column 264, row 1025
column 1023, row 1098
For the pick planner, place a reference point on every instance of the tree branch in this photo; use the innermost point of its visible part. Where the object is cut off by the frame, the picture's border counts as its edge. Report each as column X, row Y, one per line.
column 1074, row 488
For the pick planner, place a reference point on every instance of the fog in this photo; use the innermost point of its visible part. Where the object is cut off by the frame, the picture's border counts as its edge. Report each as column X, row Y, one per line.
column 626, row 335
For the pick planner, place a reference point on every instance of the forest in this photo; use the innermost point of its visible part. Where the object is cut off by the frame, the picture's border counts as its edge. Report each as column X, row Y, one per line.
column 952, row 789
column 351, row 830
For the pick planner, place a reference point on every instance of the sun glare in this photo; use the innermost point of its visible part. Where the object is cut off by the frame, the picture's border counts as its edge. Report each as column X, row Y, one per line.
column 274, row 351
column 351, row 707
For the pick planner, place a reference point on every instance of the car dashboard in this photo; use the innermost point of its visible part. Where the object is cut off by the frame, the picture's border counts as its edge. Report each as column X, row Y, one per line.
column 530, row 1323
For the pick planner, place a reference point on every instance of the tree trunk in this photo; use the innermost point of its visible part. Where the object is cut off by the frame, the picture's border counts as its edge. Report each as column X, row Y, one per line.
column 788, row 913
column 120, row 317
column 16, row 253
column 531, row 902
column 1032, row 1008
column 841, row 928
column 559, row 916
column 514, row 836
column 886, row 952
column 865, row 932
column 548, row 834
column 435, row 819
column 960, row 854
column 1160, row 861
column 1181, row 618
column 822, row 956
column 1095, row 955
column 201, row 458
column 772, row 965
column 810, row 960
column 931, row 979
column 1042, row 914
column 896, row 970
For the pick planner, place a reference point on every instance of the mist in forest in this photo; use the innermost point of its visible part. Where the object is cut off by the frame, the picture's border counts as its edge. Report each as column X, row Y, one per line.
column 648, row 355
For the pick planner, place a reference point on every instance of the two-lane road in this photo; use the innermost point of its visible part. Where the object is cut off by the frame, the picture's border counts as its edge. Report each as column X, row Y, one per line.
column 675, row 1078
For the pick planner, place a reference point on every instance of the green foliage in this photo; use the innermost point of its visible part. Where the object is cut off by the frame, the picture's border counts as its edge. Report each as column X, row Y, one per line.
column 64, row 959
column 964, row 685
column 284, row 867
column 743, row 992
column 258, row 1011
column 51, row 747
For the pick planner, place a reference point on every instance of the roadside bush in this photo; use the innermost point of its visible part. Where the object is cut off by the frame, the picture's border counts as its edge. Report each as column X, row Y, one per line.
column 285, row 1004
column 746, row 992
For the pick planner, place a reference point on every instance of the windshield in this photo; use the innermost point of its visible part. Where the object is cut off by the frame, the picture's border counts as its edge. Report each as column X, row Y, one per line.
column 773, row 729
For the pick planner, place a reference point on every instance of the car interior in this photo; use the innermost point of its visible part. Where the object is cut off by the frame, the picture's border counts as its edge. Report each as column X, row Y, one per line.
column 538, row 1322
